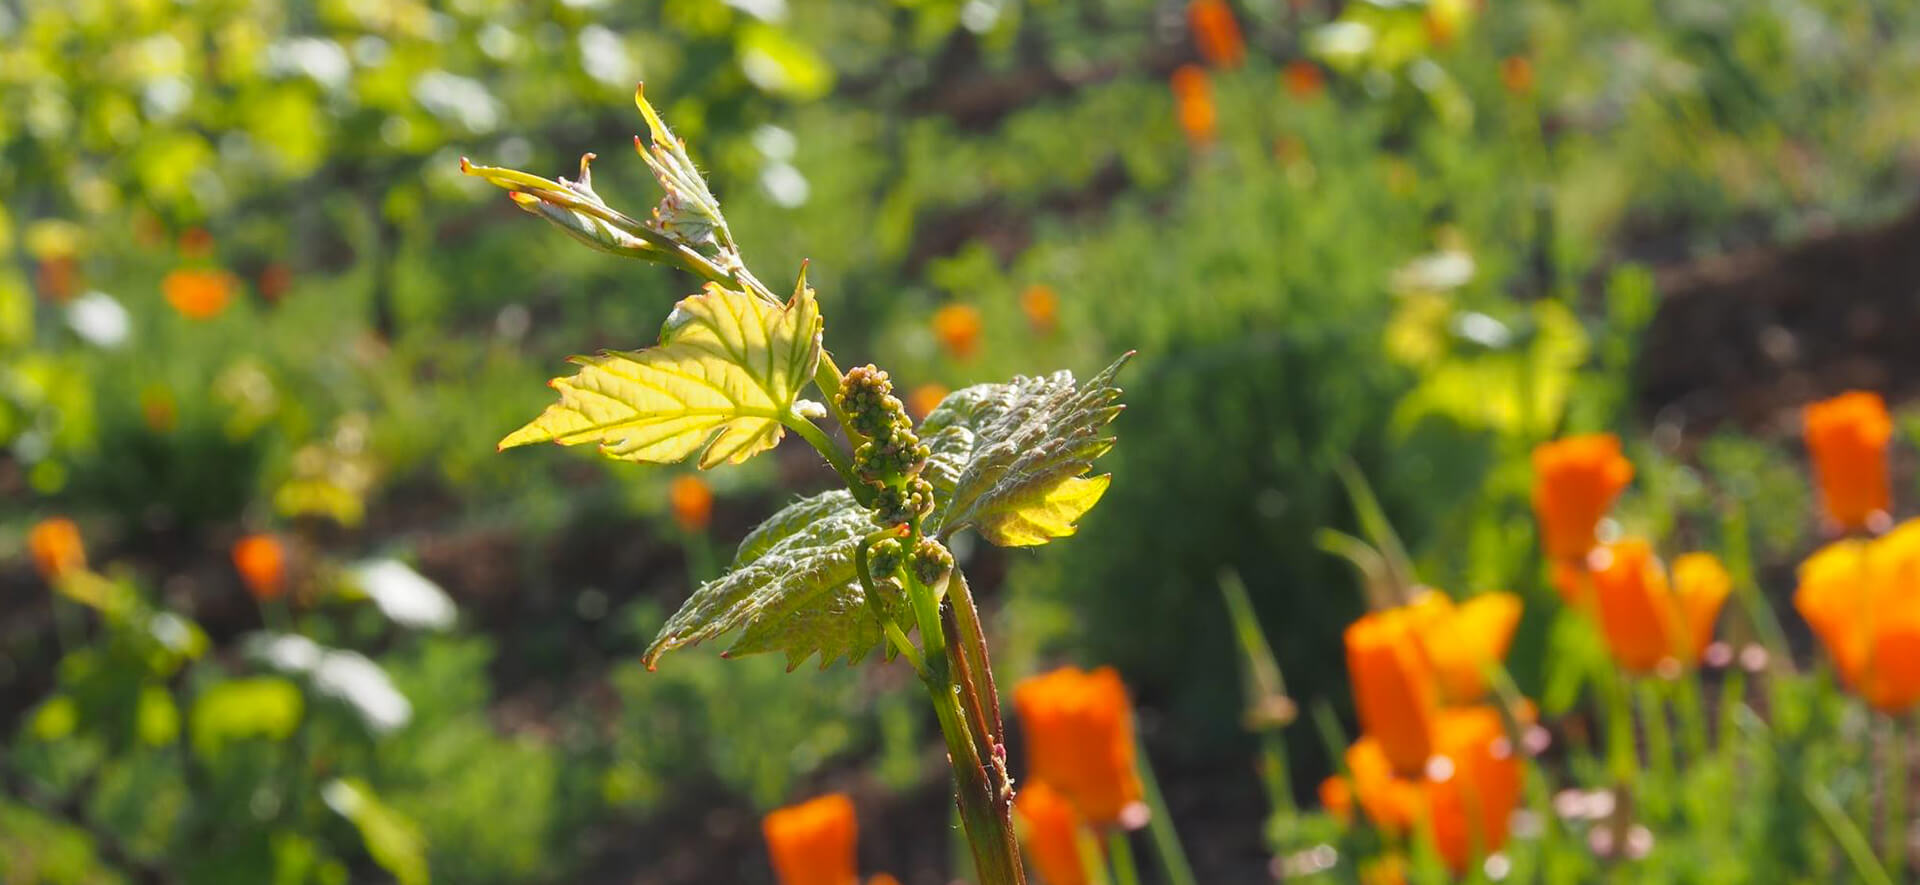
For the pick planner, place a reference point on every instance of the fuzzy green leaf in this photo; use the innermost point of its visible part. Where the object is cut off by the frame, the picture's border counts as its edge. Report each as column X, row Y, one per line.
column 792, row 588
column 1008, row 459
column 725, row 375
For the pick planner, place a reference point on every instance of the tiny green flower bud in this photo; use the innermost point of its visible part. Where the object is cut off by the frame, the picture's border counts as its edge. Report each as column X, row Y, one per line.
column 866, row 395
column 930, row 562
column 898, row 505
column 885, row 558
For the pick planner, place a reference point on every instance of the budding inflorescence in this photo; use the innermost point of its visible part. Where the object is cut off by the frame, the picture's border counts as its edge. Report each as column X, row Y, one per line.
column 886, row 558
column 931, row 562
column 890, row 460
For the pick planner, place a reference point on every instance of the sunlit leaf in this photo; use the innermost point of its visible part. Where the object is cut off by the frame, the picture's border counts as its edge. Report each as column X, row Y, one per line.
column 265, row 707
column 393, row 841
column 777, row 63
column 791, row 589
column 1008, row 459
column 725, row 375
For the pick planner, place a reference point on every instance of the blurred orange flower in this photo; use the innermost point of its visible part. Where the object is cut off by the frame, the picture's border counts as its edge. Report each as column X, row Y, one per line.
column 1862, row 599
column 1042, row 307
column 957, row 328
column 812, row 843
column 1079, row 730
column 1216, row 33
column 1574, row 483
column 196, row 243
column 1304, row 80
column 1847, row 437
column 58, row 277
column 925, row 398
column 1464, row 795
column 1472, row 795
column 1193, row 104
column 1463, row 641
column 198, row 294
column 691, row 501
column 1395, row 690
column 1646, row 621
column 1516, row 73
column 275, row 280
column 262, row 564
column 55, row 546
column 1050, row 834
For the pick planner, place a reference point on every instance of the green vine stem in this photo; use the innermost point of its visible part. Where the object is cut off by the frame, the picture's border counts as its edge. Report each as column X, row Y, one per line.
column 973, row 643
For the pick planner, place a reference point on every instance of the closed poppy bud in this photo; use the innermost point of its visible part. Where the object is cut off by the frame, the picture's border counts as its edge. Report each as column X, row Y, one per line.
column 1862, row 600
column 1304, row 80
column 56, row 549
column 1193, row 104
column 1050, row 830
column 1700, row 588
column 691, row 501
column 262, row 564
column 1042, row 307
column 1079, row 730
column 1394, row 687
column 196, row 243
column 197, row 294
column 1463, row 642
column 925, row 398
column 275, row 280
column 1847, row 438
column 1216, row 33
column 813, row 843
column 1473, row 786
column 1574, row 483
column 957, row 328
column 58, row 277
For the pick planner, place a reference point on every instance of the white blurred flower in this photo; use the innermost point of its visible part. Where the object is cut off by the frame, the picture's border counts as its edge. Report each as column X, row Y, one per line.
column 99, row 318
column 351, row 677
column 405, row 595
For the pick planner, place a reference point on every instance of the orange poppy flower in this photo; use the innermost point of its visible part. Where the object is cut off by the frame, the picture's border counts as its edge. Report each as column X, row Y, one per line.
column 1463, row 796
column 1574, row 483
column 1862, row 599
column 1304, row 79
column 1847, row 437
column 812, row 843
column 925, row 398
column 1079, row 730
column 1216, row 33
column 1645, row 620
column 1463, row 641
column 1042, row 307
column 883, row 879
column 957, row 328
column 262, row 564
column 1516, row 73
column 1050, row 833
column 691, row 501
column 1473, row 794
column 1193, row 104
column 1395, row 690
column 55, row 546
column 197, row 294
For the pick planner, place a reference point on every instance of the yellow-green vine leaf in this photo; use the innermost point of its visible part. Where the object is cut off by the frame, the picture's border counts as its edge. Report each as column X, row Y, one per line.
column 1009, row 459
column 792, row 588
column 725, row 375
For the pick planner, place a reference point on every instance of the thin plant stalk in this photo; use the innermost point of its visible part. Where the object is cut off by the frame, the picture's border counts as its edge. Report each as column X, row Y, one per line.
column 1653, row 717
column 1268, row 712
column 1125, row 871
column 1166, row 839
column 1895, row 812
column 1844, row 831
column 1093, row 860
column 1685, row 692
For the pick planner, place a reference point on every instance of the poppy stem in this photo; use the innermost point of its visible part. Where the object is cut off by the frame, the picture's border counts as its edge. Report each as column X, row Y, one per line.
column 1693, row 721
column 1125, row 871
column 1166, row 839
column 1896, row 799
column 1093, row 861
column 1653, row 718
